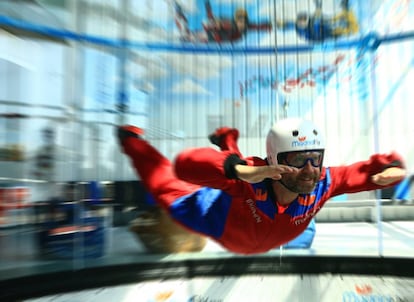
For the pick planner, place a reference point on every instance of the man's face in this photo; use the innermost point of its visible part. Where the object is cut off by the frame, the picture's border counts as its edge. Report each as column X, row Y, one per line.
column 309, row 171
column 302, row 22
column 241, row 23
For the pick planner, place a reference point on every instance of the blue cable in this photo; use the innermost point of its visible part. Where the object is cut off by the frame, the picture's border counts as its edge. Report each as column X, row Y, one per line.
column 370, row 41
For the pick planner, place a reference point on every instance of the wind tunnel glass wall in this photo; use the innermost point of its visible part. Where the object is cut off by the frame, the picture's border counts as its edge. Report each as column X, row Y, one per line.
column 82, row 67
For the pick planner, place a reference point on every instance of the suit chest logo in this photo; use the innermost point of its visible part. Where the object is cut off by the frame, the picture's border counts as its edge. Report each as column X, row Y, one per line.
column 307, row 201
column 261, row 195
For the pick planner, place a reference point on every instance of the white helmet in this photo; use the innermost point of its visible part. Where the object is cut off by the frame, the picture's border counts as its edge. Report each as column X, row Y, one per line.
column 290, row 135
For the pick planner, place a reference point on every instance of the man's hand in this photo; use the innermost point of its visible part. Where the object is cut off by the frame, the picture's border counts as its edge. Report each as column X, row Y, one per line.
column 255, row 174
column 388, row 176
column 280, row 23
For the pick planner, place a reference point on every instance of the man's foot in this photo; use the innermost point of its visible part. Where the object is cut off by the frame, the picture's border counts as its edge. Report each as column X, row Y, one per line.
column 318, row 4
column 129, row 131
column 345, row 4
column 218, row 136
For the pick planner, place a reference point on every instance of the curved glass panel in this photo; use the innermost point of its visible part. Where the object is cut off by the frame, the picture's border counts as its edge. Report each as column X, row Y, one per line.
column 74, row 70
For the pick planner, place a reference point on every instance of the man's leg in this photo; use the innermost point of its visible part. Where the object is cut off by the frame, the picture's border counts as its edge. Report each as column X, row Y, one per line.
column 317, row 23
column 317, row 14
column 209, row 11
column 226, row 139
column 318, row 4
column 212, row 26
column 344, row 4
column 181, row 22
column 155, row 170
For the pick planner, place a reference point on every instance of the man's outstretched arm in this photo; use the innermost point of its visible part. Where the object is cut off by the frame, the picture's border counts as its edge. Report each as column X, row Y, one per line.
column 255, row 174
column 389, row 176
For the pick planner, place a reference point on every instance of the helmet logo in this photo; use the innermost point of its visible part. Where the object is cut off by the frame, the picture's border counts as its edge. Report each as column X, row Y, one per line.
column 305, row 143
column 301, row 140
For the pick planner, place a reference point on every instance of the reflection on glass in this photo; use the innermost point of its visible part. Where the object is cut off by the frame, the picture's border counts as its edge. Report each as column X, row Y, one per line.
column 68, row 193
